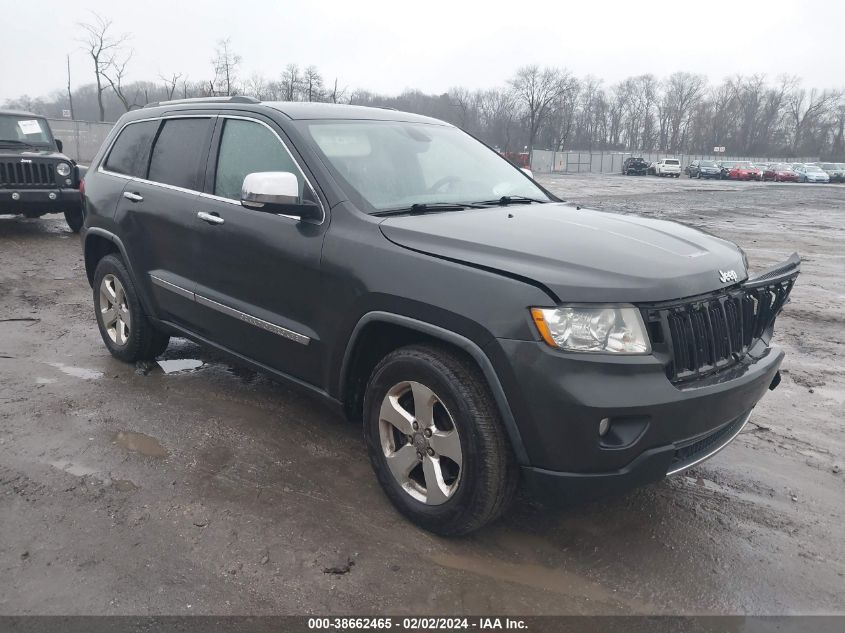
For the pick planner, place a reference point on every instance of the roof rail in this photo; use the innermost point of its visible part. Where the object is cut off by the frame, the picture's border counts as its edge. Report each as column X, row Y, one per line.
column 235, row 99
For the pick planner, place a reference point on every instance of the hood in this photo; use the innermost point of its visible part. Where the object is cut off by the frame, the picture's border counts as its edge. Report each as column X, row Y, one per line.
column 576, row 255
column 28, row 152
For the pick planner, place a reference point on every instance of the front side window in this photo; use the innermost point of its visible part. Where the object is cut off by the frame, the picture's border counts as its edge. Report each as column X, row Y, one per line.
column 131, row 151
column 247, row 147
column 177, row 157
column 394, row 164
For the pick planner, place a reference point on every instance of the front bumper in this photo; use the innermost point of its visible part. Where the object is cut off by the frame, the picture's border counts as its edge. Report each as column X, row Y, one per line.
column 38, row 201
column 558, row 400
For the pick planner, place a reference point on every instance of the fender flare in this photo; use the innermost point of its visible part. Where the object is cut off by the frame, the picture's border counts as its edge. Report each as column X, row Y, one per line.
column 457, row 340
column 114, row 239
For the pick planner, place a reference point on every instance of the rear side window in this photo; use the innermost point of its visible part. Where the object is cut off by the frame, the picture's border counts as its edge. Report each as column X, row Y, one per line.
column 178, row 152
column 247, row 147
column 131, row 151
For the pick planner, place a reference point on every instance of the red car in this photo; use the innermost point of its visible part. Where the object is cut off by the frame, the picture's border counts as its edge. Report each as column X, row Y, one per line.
column 744, row 171
column 780, row 172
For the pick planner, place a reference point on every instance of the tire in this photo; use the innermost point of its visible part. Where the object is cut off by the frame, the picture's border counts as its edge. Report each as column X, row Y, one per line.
column 74, row 219
column 483, row 485
column 129, row 341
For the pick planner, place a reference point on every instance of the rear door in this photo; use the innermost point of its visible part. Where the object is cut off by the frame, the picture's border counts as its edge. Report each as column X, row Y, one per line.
column 157, row 214
column 259, row 283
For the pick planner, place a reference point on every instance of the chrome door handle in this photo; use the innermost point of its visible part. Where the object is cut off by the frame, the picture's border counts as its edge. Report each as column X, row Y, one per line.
column 134, row 197
column 211, row 219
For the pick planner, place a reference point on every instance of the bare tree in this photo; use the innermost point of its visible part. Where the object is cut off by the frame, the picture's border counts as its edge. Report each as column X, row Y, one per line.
column 312, row 84
column 336, row 95
column 115, row 73
column 170, row 83
column 291, row 82
column 225, row 63
column 537, row 90
column 102, row 46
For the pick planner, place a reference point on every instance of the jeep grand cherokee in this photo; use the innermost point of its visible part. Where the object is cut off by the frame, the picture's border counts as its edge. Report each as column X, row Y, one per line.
column 480, row 330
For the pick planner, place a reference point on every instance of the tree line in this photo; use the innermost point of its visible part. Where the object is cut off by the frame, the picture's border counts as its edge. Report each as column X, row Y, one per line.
column 537, row 108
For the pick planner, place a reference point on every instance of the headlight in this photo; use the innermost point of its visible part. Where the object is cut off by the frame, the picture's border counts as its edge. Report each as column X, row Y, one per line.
column 63, row 169
column 610, row 329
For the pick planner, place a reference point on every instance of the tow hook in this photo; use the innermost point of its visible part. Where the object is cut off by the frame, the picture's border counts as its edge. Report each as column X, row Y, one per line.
column 775, row 381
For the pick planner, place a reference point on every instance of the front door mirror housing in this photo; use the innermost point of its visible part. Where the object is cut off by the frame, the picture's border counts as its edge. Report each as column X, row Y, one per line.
column 527, row 172
column 278, row 192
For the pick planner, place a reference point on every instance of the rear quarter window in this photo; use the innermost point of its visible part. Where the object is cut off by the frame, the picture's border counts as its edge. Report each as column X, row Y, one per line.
column 131, row 151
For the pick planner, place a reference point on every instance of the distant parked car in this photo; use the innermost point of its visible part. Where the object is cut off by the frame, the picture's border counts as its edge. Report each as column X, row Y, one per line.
column 725, row 166
column 780, row 172
column 635, row 166
column 668, row 167
column 744, row 171
column 834, row 171
column 703, row 169
column 812, row 173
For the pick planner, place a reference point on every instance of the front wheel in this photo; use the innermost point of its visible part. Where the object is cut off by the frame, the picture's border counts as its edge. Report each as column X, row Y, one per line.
column 127, row 332
column 436, row 440
column 74, row 219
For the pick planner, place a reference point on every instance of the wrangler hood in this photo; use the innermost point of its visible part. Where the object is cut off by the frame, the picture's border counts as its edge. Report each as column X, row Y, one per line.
column 576, row 255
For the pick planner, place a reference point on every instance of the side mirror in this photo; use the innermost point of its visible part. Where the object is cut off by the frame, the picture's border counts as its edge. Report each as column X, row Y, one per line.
column 527, row 172
column 278, row 192
column 59, row 145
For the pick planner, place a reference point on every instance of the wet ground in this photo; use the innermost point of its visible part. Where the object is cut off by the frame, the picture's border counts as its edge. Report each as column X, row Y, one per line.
column 202, row 487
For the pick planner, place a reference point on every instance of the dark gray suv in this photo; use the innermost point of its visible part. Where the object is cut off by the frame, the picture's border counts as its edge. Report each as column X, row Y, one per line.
column 481, row 331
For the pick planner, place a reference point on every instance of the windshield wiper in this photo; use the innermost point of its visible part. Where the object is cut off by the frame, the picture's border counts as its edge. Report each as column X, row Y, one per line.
column 4, row 141
column 422, row 208
column 506, row 200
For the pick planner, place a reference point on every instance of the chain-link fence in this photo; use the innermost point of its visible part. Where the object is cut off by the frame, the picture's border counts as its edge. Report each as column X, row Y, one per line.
column 81, row 139
column 545, row 161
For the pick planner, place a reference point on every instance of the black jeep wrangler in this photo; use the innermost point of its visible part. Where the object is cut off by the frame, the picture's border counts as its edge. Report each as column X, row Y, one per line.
column 35, row 176
column 480, row 330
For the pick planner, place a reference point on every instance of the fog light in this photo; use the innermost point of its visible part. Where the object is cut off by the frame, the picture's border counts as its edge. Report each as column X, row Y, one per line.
column 16, row 196
column 68, row 181
column 52, row 196
column 604, row 426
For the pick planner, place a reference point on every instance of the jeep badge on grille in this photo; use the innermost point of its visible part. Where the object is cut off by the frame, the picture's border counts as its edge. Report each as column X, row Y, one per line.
column 728, row 275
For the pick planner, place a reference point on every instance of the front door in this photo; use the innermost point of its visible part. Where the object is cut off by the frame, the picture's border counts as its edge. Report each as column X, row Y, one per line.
column 258, row 286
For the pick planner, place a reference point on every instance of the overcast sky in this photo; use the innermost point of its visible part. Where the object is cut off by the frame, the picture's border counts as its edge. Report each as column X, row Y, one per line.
column 431, row 44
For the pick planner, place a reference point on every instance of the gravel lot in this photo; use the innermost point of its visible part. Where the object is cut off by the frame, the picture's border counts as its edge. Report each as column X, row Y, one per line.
column 126, row 490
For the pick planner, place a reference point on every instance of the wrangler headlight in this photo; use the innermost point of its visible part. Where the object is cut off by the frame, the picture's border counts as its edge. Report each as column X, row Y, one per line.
column 63, row 169
column 617, row 330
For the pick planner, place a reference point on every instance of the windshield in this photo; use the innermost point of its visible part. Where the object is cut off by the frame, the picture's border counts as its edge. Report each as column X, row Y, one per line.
column 743, row 165
column 813, row 168
column 707, row 163
column 392, row 165
column 24, row 129
column 782, row 167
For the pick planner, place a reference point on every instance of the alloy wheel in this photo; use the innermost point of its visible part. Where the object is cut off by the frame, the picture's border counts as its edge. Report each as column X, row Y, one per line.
column 114, row 310
column 420, row 443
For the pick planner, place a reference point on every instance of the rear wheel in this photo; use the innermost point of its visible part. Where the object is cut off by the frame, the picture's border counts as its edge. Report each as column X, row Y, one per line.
column 436, row 441
column 127, row 332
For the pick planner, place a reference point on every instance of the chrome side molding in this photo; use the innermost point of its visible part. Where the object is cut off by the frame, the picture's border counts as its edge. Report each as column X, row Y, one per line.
column 232, row 312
